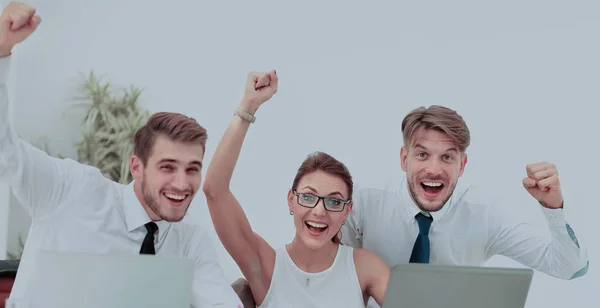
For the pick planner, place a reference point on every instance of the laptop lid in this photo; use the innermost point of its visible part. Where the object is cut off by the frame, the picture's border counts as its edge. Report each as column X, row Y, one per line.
column 75, row 280
column 426, row 286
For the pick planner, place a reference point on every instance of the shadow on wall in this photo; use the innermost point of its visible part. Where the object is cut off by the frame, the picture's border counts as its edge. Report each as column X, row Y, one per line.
column 112, row 116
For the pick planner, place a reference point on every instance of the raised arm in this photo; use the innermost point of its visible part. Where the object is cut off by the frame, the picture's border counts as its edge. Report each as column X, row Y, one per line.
column 253, row 255
column 39, row 181
column 560, row 256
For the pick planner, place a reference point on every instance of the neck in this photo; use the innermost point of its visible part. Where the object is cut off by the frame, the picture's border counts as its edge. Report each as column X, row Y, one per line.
column 312, row 260
column 137, row 188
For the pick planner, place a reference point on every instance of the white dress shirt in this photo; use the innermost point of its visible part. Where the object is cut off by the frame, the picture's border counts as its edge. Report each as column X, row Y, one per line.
column 74, row 208
column 467, row 231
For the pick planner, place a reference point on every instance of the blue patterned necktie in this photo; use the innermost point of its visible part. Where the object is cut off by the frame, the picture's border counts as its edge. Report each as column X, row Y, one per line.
column 420, row 252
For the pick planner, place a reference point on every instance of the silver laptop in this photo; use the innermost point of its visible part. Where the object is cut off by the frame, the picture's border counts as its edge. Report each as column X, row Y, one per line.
column 75, row 280
column 433, row 286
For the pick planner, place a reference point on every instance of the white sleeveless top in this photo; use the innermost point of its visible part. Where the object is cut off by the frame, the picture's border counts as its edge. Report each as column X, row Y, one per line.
column 336, row 286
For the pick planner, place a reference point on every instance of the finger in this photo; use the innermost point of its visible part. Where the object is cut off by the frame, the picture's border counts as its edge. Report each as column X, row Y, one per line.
column 533, row 168
column 263, row 81
column 529, row 182
column 24, row 7
column 540, row 175
column 22, row 16
column 251, row 80
column 19, row 19
column 548, row 183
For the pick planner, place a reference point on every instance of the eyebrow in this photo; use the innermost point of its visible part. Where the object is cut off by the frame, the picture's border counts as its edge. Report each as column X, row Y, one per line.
column 452, row 149
column 174, row 161
column 331, row 194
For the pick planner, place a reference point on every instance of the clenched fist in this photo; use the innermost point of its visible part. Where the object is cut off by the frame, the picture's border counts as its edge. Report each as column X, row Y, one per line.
column 543, row 184
column 260, row 87
column 17, row 22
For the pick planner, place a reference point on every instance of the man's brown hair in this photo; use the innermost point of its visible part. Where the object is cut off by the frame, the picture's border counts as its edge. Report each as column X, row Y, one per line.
column 438, row 118
column 174, row 126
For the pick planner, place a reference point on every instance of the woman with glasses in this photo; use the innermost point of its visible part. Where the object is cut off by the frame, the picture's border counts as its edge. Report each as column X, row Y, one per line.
column 314, row 270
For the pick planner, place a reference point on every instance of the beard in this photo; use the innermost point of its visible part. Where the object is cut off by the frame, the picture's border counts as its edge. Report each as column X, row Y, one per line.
column 437, row 207
column 154, row 205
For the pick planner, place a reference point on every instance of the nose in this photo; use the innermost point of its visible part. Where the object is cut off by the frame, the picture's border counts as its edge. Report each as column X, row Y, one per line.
column 319, row 209
column 434, row 168
column 180, row 182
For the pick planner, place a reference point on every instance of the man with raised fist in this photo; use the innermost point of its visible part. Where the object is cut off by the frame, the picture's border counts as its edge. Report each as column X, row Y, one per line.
column 431, row 218
column 74, row 208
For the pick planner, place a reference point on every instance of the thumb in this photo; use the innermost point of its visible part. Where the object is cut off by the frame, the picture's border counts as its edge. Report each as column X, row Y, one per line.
column 262, row 81
column 34, row 22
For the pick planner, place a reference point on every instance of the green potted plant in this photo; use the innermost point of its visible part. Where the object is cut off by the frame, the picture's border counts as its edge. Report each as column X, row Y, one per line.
column 109, row 125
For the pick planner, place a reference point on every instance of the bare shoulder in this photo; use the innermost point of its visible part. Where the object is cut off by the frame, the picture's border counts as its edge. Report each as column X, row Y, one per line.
column 370, row 267
column 365, row 259
column 373, row 273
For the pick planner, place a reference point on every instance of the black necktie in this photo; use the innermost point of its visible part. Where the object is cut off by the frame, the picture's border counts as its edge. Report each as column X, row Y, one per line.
column 148, row 244
column 420, row 252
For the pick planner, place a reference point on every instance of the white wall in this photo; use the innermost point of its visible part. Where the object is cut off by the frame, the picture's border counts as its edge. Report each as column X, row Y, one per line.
column 523, row 74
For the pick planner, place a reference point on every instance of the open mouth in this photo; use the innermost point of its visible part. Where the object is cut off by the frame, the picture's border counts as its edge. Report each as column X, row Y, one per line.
column 316, row 228
column 176, row 199
column 432, row 189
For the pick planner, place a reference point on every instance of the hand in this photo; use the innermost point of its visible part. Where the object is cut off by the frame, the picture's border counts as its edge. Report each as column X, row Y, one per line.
column 543, row 184
column 260, row 87
column 17, row 22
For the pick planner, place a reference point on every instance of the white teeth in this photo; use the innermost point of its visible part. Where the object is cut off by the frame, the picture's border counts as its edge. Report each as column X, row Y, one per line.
column 316, row 225
column 430, row 184
column 175, row 197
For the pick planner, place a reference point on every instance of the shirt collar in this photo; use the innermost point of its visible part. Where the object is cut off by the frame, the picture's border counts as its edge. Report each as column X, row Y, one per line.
column 413, row 209
column 135, row 215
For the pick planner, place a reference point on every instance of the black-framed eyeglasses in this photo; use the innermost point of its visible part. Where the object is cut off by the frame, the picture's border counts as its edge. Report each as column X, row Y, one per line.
column 330, row 203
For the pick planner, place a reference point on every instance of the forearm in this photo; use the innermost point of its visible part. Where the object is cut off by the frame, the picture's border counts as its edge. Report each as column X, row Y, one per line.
column 565, row 249
column 39, row 181
column 260, row 87
column 560, row 256
column 8, row 137
column 7, row 134
column 229, row 220
column 13, row 152
column 224, row 160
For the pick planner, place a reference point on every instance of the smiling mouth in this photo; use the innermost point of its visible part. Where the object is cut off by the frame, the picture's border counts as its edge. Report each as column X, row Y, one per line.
column 316, row 228
column 176, row 199
column 432, row 188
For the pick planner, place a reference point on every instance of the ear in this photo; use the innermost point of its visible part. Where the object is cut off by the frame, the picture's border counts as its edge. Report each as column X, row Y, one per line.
column 403, row 156
column 463, row 163
column 291, row 198
column 135, row 166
